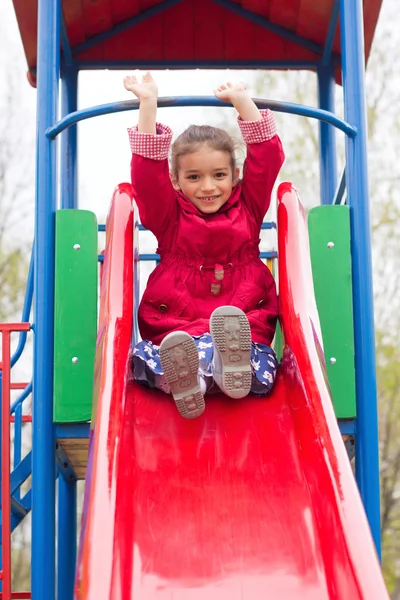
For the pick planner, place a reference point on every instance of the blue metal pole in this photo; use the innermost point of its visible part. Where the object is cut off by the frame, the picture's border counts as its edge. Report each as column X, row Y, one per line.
column 66, row 547
column 17, row 441
column 69, row 103
column 43, row 450
column 327, row 139
column 367, row 458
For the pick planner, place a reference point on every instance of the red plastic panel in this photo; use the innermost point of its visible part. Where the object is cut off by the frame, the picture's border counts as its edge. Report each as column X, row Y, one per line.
column 255, row 499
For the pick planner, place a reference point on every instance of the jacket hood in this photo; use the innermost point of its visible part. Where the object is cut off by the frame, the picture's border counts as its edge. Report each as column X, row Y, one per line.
column 189, row 207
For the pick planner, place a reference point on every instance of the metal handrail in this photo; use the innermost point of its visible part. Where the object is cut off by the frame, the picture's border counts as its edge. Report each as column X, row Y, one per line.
column 181, row 101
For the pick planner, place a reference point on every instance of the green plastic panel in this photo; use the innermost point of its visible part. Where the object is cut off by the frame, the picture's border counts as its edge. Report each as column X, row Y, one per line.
column 75, row 325
column 329, row 231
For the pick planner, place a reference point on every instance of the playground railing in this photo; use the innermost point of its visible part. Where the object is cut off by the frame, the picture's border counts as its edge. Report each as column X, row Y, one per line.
column 7, row 500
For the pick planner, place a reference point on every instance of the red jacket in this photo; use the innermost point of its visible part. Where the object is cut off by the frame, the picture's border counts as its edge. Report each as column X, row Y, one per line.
column 197, row 249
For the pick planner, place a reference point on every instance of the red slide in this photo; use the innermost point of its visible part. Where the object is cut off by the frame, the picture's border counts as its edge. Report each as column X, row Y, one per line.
column 253, row 500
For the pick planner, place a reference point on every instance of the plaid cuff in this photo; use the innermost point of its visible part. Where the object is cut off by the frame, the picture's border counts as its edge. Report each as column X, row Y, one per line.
column 254, row 132
column 149, row 145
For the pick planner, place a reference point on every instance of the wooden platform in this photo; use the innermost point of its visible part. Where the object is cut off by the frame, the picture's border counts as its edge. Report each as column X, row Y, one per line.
column 72, row 446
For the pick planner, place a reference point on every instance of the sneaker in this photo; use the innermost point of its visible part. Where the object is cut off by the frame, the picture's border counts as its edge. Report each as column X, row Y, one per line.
column 180, row 362
column 230, row 331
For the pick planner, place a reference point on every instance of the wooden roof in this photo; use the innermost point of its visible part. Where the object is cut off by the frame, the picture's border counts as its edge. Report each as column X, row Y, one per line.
column 192, row 33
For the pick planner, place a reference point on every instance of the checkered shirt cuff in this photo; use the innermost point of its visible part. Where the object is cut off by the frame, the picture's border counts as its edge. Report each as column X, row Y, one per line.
column 255, row 132
column 149, row 145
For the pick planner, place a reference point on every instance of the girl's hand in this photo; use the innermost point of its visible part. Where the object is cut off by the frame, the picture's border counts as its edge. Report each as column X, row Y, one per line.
column 237, row 95
column 229, row 92
column 143, row 91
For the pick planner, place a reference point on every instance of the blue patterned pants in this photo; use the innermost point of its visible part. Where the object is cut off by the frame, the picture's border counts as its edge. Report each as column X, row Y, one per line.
column 148, row 371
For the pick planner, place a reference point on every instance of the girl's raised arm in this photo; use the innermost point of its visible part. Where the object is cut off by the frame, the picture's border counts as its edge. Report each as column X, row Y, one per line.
column 264, row 149
column 147, row 94
column 150, row 142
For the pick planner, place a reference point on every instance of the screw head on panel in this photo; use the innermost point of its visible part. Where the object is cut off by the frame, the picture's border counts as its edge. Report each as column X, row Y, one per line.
column 77, row 246
column 330, row 244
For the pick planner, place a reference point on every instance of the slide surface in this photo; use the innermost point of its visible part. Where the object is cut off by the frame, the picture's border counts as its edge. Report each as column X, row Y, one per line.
column 253, row 500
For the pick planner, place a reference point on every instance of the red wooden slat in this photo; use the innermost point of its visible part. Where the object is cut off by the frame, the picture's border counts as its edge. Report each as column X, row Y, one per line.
column 142, row 42
column 317, row 28
column 239, row 37
column 143, row 4
column 178, row 30
column 209, row 42
column 124, row 9
column 268, row 45
column 73, row 17
column 97, row 16
column 285, row 13
column 260, row 7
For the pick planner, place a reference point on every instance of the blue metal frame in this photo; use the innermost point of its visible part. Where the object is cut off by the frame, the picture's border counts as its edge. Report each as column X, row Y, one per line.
column 179, row 101
column 67, row 485
column 326, row 57
column 43, row 455
column 327, row 135
column 66, row 548
column 198, row 64
column 367, row 455
column 69, row 175
column 67, row 53
column 339, row 197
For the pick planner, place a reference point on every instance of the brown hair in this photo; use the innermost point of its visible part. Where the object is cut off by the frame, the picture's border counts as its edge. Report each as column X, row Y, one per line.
column 196, row 136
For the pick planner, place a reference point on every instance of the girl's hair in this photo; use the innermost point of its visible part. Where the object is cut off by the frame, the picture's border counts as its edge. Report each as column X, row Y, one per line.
column 196, row 136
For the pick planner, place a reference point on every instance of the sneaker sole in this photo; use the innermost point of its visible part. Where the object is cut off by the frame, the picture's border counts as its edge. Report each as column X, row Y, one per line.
column 236, row 373
column 180, row 362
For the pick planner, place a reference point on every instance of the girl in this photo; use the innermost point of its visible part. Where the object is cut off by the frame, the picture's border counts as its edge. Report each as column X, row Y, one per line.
column 210, row 278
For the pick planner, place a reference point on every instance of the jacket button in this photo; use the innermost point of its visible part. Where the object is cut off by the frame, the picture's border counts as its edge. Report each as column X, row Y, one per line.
column 163, row 308
column 261, row 303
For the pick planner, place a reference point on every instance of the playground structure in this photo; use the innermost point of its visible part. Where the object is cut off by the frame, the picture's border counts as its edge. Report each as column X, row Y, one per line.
column 253, row 498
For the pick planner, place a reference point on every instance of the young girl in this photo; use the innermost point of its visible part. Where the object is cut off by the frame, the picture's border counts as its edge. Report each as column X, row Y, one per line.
column 209, row 311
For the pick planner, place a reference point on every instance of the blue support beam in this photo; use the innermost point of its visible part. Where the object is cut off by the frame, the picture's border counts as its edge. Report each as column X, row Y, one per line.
column 197, row 64
column 367, row 450
column 340, row 190
column 69, row 142
column 66, row 542
column 72, row 430
column 43, row 454
column 67, row 54
column 327, row 134
column 326, row 57
column 107, row 35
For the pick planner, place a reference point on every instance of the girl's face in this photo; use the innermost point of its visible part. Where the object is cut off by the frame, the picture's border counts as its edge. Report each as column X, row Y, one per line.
column 206, row 178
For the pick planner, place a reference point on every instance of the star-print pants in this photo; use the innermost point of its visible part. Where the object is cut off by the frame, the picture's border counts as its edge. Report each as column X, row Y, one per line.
column 147, row 368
